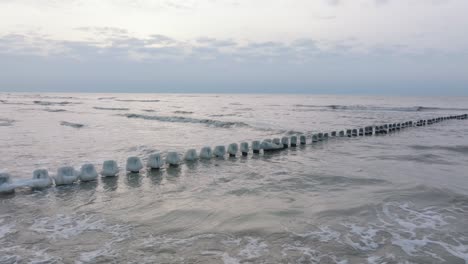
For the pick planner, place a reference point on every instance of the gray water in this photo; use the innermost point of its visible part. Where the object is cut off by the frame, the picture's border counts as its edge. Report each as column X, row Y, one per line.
column 398, row 198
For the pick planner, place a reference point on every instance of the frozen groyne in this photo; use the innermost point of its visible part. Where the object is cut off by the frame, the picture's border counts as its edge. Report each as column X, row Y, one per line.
column 69, row 175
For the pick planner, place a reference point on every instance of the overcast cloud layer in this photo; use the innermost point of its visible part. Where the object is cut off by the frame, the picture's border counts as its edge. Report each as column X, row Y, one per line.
column 320, row 46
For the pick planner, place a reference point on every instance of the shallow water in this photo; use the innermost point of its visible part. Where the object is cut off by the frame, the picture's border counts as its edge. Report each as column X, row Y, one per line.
column 399, row 198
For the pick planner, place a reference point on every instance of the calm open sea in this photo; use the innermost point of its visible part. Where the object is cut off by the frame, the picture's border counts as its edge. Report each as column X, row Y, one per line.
column 398, row 198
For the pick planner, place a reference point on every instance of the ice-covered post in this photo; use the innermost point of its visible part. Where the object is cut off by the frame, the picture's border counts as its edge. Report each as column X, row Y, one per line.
column 285, row 142
column 333, row 133
column 293, row 141
column 191, row 155
column 320, row 136
column 109, row 168
column 134, row 164
column 355, row 132
column 219, row 151
column 303, row 139
column 206, row 153
column 41, row 179
column 349, row 132
column 256, row 147
column 6, row 187
column 65, row 175
column 361, row 132
column 342, row 133
column 233, row 148
column 315, row 138
column 325, row 136
column 173, row 159
column 88, row 173
column 155, row 161
column 244, row 148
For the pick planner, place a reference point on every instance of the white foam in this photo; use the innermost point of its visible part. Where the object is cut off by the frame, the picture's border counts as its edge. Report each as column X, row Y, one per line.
column 109, row 168
column 206, row 153
column 219, row 151
column 155, row 161
column 134, row 164
column 254, row 248
column 66, row 175
column 173, row 158
column 191, row 155
column 88, row 173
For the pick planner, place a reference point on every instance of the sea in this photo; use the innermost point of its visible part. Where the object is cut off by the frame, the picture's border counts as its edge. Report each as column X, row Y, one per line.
column 395, row 198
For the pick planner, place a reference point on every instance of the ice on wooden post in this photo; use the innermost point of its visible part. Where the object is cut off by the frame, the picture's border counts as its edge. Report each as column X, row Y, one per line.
column 325, row 136
column 268, row 145
column 173, row 158
column 155, row 161
column 88, row 173
column 65, row 175
column 293, row 141
column 285, row 142
column 320, row 136
column 6, row 186
column 361, row 132
column 206, row 153
column 232, row 150
column 315, row 138
column 244, row 148
column 256, row 146
column 303, row 139
column 341, row 133
column 134, row 164
column 219, row 151
column 191, row 155
column 277, row 141
column 354, row 132
column 41, row 179
column 333, row 134
column 109, row 168
column 349, row 132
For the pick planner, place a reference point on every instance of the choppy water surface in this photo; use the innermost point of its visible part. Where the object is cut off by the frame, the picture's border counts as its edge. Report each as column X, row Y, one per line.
column 400, row 198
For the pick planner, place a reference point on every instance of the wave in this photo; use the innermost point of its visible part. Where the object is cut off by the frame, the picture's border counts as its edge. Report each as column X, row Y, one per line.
column 111, row 108
column 6, row 122
column 380, row 108
column 141, row 101
column 53, row 103
column 181, row 119
column 54, row 110
column 75, row 125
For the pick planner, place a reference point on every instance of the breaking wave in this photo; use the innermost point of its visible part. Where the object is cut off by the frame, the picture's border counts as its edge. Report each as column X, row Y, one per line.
column 181, row 119
column 75, row 125
column 6, row 122
column 53, row 103
column 379, row 108
column 111, row 108
column 134, row 100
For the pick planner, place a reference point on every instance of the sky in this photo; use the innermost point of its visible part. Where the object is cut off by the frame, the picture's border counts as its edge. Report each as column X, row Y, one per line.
column 394, row 47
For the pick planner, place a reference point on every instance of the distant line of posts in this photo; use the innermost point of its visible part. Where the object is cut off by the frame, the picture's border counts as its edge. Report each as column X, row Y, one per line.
column 68, row 175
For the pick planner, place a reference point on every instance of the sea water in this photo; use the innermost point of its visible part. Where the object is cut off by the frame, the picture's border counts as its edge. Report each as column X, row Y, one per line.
column 395, row 198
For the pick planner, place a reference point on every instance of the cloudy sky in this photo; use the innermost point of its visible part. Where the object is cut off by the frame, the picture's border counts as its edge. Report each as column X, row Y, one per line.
column 398, row 47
